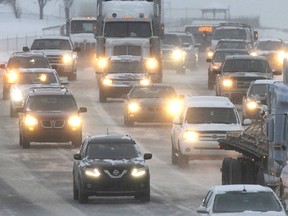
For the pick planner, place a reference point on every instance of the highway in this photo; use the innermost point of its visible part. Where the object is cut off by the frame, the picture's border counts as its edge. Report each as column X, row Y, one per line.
column 38, row 181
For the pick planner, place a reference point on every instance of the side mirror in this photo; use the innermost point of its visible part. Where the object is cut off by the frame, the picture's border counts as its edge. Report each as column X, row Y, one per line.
column 177, row 121
column 77, row 49
column 208, row 60
column 124, row 96
column 256, row 35
column 147, row 156
column 25, row 49
column 64, row 81
column 82, row 109
column 77, row 156
column 202, row 210
column 19, row 109
column 246, row 122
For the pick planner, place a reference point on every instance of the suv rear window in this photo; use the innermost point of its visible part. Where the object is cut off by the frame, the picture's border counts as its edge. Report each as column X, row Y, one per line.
column 230, row 34
column 28, row 62
column 246, row 65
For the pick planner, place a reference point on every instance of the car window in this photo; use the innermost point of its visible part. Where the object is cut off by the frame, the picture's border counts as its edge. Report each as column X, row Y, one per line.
column 245, row 201
column 246, row 65
column 51, row 102
column 259, row 90
column 153, row 92
column 220, row 56
column 51, row 44
column 112, row 151
column 230, row 34
column 172, row 40
column 36, row 78
column 269, row 45
column 28, row 62
column 211, row 115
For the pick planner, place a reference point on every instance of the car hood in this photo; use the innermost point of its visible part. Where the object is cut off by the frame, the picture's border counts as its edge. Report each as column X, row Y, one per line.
column 126, row 76
column 53, row 114
column 213, row 127
column 251, row 213
column 248, row 74
column 117, row 163
column 54, row 51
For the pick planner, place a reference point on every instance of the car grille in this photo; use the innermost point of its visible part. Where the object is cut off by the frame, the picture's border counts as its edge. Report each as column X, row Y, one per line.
column 86, row 46
column 244, row 82
column 155, row 109
column 127, row 50
column 212, row 135
column 115, row 173
column 54, row 59
column 53, row 123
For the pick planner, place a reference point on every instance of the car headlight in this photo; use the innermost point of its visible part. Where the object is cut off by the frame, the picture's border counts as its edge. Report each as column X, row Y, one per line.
column 210, row 54
column 227, row 83
column 254, row 53
column 16, row 95
column 152, row 64
column 12, row 76
column 138, row 172
column 30, row 122
column 190, row 135
column 67, row 59
column 174, row 107
column 145, row 82
column 178, row 54
column 43, row 77
column 102, row 63
column 107, row 82
column 74, row 122
column 133, row 107
column 92, row 172
column 216, row 66
column 281, row 56
column 252, row 105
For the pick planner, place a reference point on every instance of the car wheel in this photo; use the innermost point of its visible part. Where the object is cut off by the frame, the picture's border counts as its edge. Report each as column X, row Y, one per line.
column 173, row 154
column 82, row 197
column 13, row 112
column 75, row 190
column 183, row 160
column 144, row 196
column 24, row 142
column 225, row 169
column 102, row 97
column 77, row 141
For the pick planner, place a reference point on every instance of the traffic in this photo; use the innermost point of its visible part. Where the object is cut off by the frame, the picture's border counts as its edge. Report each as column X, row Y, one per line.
column 158, row 124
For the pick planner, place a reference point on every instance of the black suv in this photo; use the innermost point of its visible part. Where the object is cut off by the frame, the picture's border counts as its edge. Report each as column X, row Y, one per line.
column 110, row 165
column 50, row 115
column 21, row 60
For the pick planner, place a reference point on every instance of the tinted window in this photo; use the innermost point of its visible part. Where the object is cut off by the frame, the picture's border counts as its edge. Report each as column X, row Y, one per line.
column 209, row 115
column 186, row 39
column 36, row 78
column 112, row 151
column 127, row 29
column 243, row 201
column 230, row 34
column 83, row 26
column 40, row 44
column 51, row 102
column 220, row 56
column 153, row 92
column 246, row 65
column 172, row 39
column 269, row 45
column 28, row 62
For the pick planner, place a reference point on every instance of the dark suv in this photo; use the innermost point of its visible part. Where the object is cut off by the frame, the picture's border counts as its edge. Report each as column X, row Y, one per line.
column 50, row 115
column 110, row 165
column 21, row 60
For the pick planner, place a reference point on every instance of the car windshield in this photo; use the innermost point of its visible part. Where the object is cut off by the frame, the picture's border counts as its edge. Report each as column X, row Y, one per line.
column 229, row 33
column 246, row 65
column 83, row 26
column 153, row 92
column 127, row 29
column 36, row 78
column 231, row 45
column 28, row 62
column 114, row 151
column 172, row 39
column 220, row 56
column 51, row 103
column 245, row 201
column 259, row 90
column 186, row 39
column 44, row 44
column 126, row 67
column 211, row 115
column 269, row 45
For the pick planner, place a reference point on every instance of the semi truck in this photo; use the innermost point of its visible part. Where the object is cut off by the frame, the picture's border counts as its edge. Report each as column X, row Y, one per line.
column 130, row 28
column 263, row 144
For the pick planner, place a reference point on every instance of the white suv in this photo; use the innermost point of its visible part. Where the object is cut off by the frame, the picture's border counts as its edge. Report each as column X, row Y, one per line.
column 203, row 120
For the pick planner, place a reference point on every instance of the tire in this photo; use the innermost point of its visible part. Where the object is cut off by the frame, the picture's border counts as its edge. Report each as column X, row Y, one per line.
column 13, row 112
column 82, row 197
column 249, row 173
column 173, row 154
column 102, row 97
column 24, row 142
column 75, row 190
column 236, row 171
column 144, row 196
column 183, row 160
column 127, row 121
column 260, row 177
column 225, row 169
column 77, row 141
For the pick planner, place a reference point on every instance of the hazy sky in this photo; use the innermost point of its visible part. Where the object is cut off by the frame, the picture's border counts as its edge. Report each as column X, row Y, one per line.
column 272, row 13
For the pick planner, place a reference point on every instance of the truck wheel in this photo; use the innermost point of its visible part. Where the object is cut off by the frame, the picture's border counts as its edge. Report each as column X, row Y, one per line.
column 102, row 97
column 82, row 197
column 173, row 154
column 24, row 142
column 249, row 176
column 260, row 177
column 236, row 171
column 182, row 160
column 225, row 169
